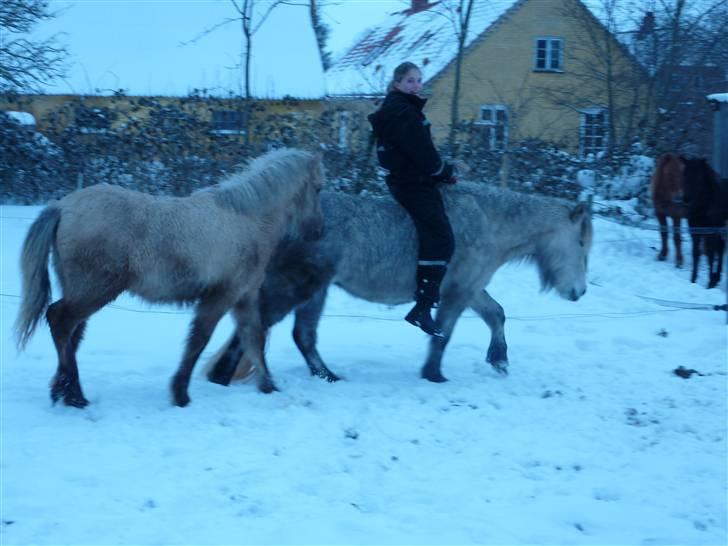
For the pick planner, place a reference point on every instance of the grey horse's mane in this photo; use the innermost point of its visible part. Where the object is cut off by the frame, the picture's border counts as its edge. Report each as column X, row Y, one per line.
column 262, row 181
column 510, row 203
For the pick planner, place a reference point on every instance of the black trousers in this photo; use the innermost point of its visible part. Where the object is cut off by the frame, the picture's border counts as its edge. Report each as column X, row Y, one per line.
column 423, row 202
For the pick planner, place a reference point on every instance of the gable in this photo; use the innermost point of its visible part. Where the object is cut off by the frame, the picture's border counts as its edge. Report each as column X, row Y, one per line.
column 427, row 38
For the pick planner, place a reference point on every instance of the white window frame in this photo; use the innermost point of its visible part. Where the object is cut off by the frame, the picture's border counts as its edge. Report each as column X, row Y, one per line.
column 550, row 64
column 491, row 124
column 591, row 133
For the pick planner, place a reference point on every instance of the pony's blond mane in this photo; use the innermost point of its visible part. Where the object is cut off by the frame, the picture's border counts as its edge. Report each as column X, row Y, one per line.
column 263, row 180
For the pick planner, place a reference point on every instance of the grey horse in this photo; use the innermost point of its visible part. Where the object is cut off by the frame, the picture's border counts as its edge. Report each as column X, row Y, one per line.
column 369, row 250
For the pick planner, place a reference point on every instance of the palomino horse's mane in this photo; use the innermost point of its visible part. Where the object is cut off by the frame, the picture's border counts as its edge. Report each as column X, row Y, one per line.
column 263, row 180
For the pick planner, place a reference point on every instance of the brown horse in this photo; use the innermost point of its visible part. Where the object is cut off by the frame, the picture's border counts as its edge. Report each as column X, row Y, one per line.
column 667, row 190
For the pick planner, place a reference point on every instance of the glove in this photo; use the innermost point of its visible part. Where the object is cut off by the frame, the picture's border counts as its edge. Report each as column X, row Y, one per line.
column 447, row 176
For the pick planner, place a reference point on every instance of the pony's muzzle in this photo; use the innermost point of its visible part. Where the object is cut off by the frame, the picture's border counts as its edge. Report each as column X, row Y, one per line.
column 575, row 294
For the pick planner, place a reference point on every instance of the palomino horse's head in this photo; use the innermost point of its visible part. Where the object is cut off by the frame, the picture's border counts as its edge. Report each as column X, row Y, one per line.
column 307, row 220
column 562, row 257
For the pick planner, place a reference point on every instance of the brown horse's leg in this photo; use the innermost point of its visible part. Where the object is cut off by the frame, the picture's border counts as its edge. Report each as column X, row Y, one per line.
column 67, row 325
column 677, row 239
column 208, row 314
column 662, row 219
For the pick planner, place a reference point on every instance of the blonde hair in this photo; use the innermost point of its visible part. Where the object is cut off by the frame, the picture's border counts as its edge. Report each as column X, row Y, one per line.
column 400, row 72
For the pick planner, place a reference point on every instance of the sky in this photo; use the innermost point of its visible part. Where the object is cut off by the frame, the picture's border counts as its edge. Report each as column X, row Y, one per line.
column 136, row 45
column 592, row 439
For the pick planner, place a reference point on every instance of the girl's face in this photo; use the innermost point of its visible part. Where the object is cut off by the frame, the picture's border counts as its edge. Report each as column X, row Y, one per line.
column 411, row 83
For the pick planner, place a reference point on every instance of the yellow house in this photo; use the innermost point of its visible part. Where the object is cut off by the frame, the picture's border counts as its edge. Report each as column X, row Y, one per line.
column 531, row 69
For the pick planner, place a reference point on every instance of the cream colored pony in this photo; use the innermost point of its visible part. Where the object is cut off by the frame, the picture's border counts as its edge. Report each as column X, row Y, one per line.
column 210, row 249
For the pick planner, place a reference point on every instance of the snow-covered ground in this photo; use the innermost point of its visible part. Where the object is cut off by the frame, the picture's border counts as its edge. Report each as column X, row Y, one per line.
column 591, row 439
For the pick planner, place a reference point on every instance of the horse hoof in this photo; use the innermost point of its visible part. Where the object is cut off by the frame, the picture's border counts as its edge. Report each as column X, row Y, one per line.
column 75, row 401
column 267, row 387
column 501, row 367
column 219, row 378
column 434, row 377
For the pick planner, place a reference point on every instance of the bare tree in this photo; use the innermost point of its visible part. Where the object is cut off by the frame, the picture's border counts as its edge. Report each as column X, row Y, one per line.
column 322, row 32
column 27, row 64
column 682, row 45
column 459, row 14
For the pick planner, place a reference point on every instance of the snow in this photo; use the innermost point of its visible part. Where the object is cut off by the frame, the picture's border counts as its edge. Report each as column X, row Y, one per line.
column 719, row 97
column 591, row 439
column 23, row 118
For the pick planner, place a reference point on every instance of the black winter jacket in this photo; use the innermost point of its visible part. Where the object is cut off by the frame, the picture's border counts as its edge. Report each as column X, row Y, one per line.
column 404, row 142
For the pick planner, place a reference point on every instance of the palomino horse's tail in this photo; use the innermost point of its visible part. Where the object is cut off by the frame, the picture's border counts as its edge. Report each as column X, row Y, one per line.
column 34, row 269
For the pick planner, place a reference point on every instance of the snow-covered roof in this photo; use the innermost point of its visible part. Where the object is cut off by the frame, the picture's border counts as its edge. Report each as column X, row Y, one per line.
column 719, row 97
column 424, row 37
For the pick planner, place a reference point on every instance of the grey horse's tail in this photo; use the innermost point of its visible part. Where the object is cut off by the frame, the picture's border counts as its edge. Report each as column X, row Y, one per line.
column 34, row 269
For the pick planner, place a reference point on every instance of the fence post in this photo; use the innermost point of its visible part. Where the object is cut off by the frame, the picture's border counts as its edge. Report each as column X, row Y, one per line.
column 79, row 181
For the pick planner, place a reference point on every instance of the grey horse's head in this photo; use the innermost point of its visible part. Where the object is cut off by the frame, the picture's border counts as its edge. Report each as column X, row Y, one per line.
column 562, row 258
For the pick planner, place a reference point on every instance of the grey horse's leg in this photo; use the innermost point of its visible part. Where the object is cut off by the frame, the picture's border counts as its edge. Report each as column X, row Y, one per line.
column 448, row 313
column 252, row 337
column 492, row 313
column 208, row 314
column 304, row 334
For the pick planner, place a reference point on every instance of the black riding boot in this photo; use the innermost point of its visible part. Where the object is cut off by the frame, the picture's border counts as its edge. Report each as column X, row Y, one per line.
column 427, row 296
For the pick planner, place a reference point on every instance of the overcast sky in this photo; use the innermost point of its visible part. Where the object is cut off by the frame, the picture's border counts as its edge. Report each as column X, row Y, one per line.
column 136, row 45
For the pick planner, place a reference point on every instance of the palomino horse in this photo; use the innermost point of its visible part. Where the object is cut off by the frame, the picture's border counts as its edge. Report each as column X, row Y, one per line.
column 369, row 249
column 707, row 212
column 667, row 198
column 211, row 248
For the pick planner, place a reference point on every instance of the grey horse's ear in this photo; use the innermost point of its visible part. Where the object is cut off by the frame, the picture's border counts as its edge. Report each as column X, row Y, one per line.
column 579, row 212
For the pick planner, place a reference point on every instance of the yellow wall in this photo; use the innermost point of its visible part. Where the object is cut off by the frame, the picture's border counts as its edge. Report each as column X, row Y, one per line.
column 499, row 70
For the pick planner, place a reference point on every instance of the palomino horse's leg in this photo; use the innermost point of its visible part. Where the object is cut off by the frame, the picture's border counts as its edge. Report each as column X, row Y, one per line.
column 208, row 314
column 304, row 334
column 677, row 239
column 492, row 313
column 67, row 331
column 662, row 219
column 252, row 338
column 447, row 315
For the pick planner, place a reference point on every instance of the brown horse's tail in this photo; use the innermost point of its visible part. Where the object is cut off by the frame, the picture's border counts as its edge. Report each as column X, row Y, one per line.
column 34, row 269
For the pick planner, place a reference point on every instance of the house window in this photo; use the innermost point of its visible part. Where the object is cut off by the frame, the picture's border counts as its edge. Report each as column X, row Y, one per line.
column 593, row 131
column 227, row 122
column 493, row 124
column 549, row 55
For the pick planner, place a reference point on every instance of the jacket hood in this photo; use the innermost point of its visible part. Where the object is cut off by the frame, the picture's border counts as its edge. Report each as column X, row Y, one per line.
column 394, row 104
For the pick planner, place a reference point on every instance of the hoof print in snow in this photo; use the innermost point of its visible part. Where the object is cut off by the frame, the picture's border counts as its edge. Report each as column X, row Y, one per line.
column 551, row 394
column 663, row 333
column 685, row 373
column 351, row 433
